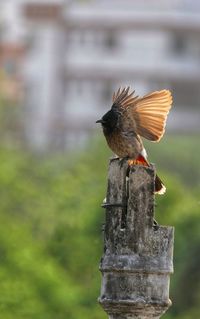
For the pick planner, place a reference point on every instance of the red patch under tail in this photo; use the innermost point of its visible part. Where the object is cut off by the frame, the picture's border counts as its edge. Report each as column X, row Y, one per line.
column 159, row 186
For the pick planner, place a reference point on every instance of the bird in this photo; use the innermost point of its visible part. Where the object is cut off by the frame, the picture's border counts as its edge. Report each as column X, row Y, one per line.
column 132, row 118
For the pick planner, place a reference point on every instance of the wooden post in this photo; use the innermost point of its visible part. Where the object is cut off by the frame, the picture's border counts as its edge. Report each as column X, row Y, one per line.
column 137, row 259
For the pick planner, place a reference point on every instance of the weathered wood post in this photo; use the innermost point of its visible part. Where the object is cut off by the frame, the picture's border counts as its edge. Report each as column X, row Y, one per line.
column 137, row 259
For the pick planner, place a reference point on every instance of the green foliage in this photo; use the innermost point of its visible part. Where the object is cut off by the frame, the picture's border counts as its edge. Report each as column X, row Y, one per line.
column 51, row 239
column 11, row 122
column 178, row 155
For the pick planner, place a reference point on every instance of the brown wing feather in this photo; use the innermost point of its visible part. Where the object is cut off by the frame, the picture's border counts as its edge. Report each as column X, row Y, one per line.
column 123, row 98
column 148, row 113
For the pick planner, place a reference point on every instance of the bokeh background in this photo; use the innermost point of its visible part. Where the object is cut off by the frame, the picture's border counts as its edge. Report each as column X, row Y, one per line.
column 60, row 62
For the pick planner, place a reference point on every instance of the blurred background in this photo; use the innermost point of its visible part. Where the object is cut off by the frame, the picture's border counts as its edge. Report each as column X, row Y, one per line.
column 60, row 62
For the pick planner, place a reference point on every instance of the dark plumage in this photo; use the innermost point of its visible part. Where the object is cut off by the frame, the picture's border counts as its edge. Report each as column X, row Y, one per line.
column 131, row 117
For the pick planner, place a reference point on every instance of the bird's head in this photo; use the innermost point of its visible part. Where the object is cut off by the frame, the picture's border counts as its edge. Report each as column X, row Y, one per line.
column 110, row 121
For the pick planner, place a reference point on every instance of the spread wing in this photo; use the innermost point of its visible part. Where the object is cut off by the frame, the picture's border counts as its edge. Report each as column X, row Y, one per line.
column 148, row 114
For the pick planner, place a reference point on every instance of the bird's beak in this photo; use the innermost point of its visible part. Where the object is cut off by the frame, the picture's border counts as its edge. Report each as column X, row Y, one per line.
column 100, row 121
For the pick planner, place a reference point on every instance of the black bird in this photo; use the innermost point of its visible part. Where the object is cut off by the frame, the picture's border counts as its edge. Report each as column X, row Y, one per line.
column 131, row 118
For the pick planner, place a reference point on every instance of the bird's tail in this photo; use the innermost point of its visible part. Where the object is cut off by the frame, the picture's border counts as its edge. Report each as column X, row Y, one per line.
column 159, row 186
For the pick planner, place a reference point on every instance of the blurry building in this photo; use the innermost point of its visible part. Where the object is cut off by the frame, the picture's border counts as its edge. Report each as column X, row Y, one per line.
column 43, row 73
column 11, row 65
column 78, row 52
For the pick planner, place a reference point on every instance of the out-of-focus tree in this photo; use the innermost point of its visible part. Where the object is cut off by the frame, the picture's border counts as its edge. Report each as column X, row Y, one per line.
column 51, row 240
column 11, row 114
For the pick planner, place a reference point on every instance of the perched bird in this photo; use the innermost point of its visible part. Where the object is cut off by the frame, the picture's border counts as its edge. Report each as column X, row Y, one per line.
column 132, row 117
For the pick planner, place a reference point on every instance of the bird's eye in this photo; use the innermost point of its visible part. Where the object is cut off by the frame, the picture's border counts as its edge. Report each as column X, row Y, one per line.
column 103, row 122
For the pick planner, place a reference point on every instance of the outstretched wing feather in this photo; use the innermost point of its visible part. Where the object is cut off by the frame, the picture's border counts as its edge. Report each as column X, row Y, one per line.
column 148, row 113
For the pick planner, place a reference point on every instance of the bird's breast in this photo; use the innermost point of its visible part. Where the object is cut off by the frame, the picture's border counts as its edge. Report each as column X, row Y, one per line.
column 124, row 144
